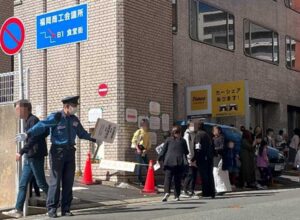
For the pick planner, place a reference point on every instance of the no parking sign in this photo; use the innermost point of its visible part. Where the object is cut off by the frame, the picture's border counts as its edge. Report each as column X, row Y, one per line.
column 12, row 36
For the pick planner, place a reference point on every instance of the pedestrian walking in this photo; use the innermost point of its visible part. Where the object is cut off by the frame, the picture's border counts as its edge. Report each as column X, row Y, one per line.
column 204, row 154
column 247, row 157
column 190, row 179
column 65, row 126
column 174, row 157
column 294, row 146
column 263, row 165
column 220, row 172
column 33, row 152
column 230, row 161
column 141, row 143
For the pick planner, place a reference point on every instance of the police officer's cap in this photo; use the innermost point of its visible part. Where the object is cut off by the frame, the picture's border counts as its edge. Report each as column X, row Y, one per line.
column 70, row 100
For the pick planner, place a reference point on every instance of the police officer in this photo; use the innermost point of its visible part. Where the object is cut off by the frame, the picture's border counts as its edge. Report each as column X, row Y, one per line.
column 64, row 127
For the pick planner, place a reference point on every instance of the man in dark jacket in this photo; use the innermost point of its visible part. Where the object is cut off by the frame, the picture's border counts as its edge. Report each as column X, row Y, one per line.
column 204, row 154
column 34, row 151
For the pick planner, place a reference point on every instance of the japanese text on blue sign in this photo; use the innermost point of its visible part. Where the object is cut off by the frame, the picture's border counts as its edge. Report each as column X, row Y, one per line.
column 61, row 27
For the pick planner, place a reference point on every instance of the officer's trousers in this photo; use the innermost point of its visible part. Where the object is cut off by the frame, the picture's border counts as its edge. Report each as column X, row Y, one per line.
column 62, row 162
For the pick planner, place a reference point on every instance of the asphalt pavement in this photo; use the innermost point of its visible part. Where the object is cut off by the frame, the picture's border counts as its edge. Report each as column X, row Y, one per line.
column 106, row 202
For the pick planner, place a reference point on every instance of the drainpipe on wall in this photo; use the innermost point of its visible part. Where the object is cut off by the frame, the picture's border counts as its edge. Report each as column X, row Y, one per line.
column 78, row 169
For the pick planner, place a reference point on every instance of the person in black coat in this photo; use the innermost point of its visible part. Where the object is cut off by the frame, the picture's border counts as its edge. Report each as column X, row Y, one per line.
column 204, row 154
column 33, row 152
column 174, row 156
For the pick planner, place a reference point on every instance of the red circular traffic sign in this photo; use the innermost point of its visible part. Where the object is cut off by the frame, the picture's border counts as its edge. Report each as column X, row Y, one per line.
column 12, row 36
column 103, row 90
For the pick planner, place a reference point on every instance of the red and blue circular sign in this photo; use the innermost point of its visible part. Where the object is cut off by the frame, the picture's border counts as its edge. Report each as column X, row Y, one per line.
column 12, row 36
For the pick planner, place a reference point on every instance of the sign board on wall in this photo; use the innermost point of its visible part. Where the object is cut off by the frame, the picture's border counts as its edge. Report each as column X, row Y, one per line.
column 94, row 114
column 131, row 115
column 165, row 122
column 198, row 100
column 105, row 131
column 220, row 100
column 64, row 26
column 154, row 108
column 229, row 99
column 154, row 123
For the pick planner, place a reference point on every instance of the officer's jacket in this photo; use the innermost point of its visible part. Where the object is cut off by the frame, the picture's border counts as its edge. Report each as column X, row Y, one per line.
column 63, row 128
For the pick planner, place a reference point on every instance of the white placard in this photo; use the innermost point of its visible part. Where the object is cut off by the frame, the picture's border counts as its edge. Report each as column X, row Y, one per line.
column 156, row 166
column 165, row 122
column 154, row 123
column 154, row 108
column 140, row 118
column 131, row 115
column 153, row 138
column 105, row 131
column 117, row 165
column 94, row 114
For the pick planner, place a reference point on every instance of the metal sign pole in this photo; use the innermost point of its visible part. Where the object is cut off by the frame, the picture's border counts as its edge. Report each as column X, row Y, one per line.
column 21, row 145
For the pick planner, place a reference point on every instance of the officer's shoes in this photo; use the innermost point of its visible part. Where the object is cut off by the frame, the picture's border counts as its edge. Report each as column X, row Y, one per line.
column 51, row 214
column 67, row 214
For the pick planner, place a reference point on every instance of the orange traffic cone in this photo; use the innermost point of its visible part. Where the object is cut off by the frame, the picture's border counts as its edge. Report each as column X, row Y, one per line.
column 87, row 175
column 150, row 182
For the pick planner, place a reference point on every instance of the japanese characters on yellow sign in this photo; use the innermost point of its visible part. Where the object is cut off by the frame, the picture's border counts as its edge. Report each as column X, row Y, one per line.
column 199, row 100
column 229, row 99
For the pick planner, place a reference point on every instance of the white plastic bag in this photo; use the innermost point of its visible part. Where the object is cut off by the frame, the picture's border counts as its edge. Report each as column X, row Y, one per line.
column 221, row 178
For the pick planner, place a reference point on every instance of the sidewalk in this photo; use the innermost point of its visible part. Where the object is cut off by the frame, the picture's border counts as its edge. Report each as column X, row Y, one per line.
column 93, row 196
column 105, row 196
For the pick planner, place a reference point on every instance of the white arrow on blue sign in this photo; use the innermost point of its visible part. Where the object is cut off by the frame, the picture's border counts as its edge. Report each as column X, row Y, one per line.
column 64, row 26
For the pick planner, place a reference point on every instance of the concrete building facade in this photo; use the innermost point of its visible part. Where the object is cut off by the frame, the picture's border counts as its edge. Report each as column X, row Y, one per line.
column 129, row 48
column 151, row 51
column 273, row 88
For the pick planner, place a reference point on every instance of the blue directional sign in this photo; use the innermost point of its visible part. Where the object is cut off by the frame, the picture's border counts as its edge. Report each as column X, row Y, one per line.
column 65, row 26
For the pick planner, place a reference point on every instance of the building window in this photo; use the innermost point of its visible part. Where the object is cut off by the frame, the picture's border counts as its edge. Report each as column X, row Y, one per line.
column 293, row 4
column 292, row 53
column 174, row 16
column 6, row 88
column 260, row 42
column 211, row 25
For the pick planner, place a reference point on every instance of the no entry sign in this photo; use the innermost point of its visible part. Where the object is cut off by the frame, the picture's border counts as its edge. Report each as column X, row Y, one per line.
column 12, row 36
column 103, row 90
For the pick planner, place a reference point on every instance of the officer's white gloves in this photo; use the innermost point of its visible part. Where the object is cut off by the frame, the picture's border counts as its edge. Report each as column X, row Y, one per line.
column 21, row 137
column 99, row 142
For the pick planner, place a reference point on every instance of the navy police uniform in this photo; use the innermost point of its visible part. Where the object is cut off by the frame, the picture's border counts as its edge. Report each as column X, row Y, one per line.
column 64, row 129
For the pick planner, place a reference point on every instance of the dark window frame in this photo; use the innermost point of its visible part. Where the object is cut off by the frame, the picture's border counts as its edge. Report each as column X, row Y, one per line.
column 286, row 2
column 244, row 40
column 290, row 68
column 217, row 7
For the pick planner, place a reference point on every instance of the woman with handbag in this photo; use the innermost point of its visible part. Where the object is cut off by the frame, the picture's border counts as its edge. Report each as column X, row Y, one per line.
column 221, row 175
column 141, row 143
column 174, row 155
